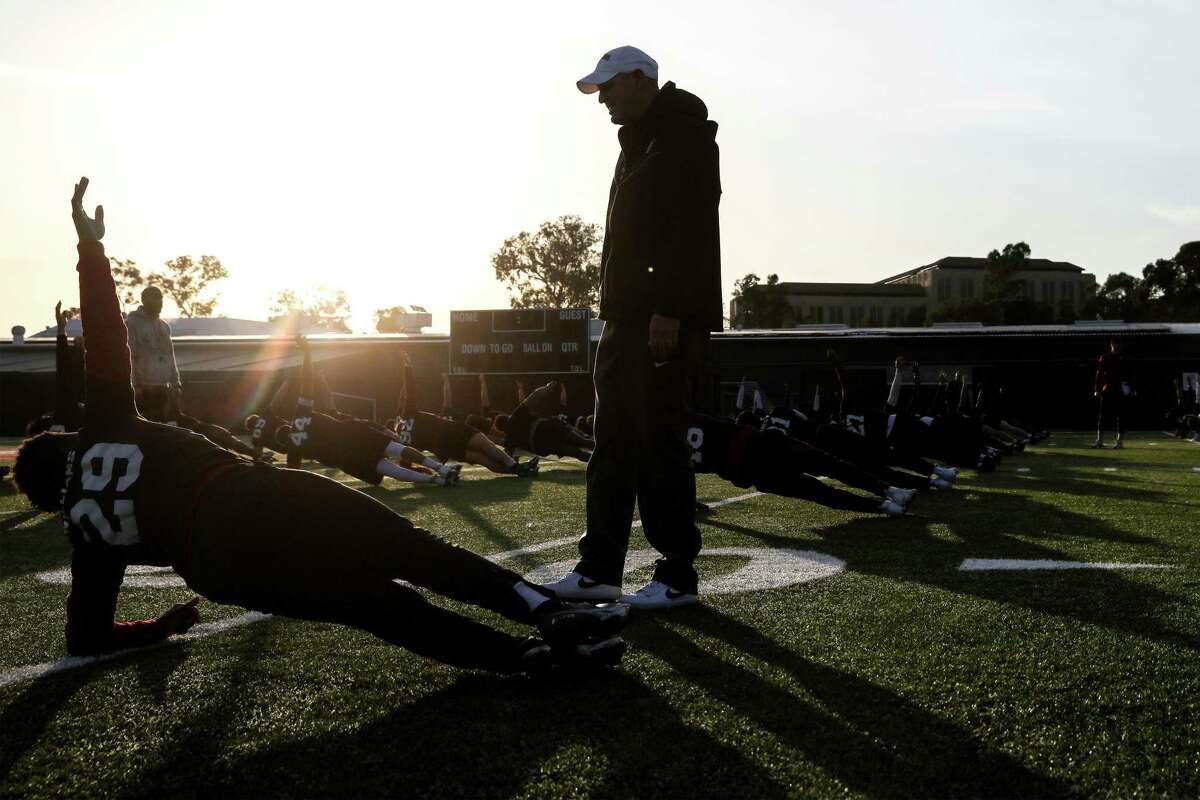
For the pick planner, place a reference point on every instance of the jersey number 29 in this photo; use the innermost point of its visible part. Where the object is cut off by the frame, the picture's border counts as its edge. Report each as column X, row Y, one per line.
column 99, row 467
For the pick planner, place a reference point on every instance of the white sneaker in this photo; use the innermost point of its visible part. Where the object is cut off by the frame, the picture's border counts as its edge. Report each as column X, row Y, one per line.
column 657, row 594
column 947, row 473
column 891, row 508
column 577, row 587
column 1096, row 445
column 902, row 496
column 1196, row 438
column 1120, row 445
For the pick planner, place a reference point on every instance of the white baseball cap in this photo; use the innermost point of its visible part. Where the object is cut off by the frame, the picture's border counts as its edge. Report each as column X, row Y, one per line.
column 613, row 63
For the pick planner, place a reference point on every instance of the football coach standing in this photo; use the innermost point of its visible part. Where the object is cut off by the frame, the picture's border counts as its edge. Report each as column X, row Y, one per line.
column 660, row 296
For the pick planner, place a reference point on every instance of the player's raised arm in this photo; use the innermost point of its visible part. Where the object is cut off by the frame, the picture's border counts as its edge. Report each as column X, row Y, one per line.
column 66, row 411
column 105, row 338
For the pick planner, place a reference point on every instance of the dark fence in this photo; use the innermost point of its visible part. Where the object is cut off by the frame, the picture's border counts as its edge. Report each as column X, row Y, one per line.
column 1047, row 371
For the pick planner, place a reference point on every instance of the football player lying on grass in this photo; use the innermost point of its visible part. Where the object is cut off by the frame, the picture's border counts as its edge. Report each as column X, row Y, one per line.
column 533, row 427
column 773, row 462
column 68, row 413
column 278, row 541
column 448, row 439
column 867, row 444
column 357, row 447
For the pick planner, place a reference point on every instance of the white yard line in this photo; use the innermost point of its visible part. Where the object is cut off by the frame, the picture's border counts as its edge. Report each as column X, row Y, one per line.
column 33, row 671
column 72, row 662
column 990, row 564
column 553, row 543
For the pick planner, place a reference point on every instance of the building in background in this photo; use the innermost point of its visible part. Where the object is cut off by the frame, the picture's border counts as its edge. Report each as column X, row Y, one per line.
column 907, row 299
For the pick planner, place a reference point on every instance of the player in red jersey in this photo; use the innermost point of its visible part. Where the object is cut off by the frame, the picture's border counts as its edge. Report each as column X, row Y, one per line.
column 279, row 541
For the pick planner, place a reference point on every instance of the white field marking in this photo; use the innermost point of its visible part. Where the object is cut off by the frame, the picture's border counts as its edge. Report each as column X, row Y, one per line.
column 988, row 564
column 553, row 543
column 769, row 568
column 766, row 567
column 73, row 662
column 1153, row 444
column 1195, row 469
column 1023, row 469
column 138, row 575
column 1110, row 469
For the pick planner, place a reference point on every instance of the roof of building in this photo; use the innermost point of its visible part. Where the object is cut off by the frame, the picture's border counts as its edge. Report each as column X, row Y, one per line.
column 848, row 289
column 969, row 262
column 199, row 326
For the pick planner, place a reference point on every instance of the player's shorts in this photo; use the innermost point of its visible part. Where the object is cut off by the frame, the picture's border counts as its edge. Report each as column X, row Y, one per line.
column 446, row 438
column 548, row 437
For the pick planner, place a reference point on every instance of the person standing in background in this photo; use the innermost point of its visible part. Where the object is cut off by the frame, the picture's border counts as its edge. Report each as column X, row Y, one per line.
column 1112, row 390
column 660, row 296
column 155, row 374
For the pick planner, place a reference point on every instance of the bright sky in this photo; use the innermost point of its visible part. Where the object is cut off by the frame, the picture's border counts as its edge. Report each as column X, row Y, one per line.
column 389, row 151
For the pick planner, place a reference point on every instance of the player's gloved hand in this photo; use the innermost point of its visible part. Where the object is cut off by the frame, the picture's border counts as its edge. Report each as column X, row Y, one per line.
column 180, row 617
column 664, row 337
column 59, row 320
column 89, row 230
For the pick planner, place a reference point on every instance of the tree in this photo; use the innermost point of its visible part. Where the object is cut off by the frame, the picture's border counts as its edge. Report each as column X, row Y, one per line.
column 1122, row 296
column 182, row 279
column 316, row 308
column 999, row 274
column 761, row 305
column 556, row 267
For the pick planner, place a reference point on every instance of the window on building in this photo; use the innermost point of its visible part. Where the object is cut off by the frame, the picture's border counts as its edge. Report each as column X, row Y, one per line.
column 1048, row 291
column 968, row 288
column 856, row 316
column 818, row 314
column 895, row 316
column 836, row 314
column 1067, row 293
column 876, row 315
column 944, row 289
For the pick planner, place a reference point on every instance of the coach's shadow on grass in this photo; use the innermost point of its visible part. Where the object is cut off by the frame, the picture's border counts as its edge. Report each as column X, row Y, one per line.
column 488, row 736
column 870, row 738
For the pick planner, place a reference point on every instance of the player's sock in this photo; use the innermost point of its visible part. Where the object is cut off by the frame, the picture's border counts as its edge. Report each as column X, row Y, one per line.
column 390, row 469
column 534, row 596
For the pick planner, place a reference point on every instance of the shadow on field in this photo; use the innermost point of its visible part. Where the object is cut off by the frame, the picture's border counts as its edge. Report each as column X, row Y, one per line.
column 1001, row 526
column 489, row 736
column 25, row 719
column 201, row 739
column 873, row 740
column 40, row 547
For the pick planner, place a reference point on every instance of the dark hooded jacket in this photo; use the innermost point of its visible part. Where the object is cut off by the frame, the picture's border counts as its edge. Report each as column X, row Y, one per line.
column 662, row 240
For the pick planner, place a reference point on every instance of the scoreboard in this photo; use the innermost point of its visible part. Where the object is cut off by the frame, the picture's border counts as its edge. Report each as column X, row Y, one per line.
column 520, row 341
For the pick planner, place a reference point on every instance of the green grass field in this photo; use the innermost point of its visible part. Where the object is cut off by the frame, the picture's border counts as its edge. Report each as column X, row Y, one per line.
column 900, row 676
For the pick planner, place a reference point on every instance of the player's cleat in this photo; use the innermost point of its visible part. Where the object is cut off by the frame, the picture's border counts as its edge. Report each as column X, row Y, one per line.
column 891, row 508
column 939, row 483
column 591, row 654
column 703, row 508
column 904, row 497
column 1196, row 438
column 1119, row 445
column 567, row 624
column 946, row 473
column 579, row 587
column 535, row 656
column 1096, row 445
column 528, row 469
column 657, row 595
